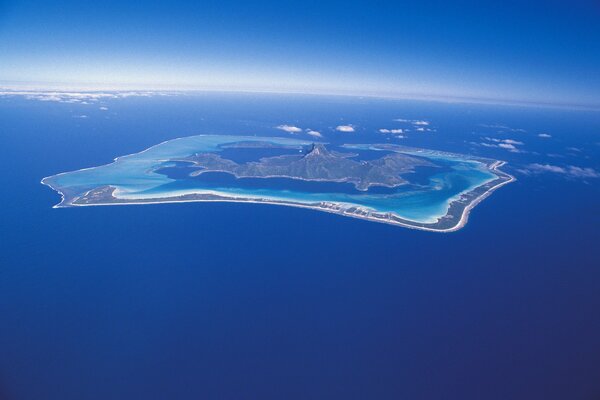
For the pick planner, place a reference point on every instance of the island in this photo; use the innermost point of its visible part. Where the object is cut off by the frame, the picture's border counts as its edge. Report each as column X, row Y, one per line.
column 398, row 185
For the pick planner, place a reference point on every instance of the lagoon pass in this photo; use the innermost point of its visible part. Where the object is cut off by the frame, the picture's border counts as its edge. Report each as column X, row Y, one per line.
column 409, row 187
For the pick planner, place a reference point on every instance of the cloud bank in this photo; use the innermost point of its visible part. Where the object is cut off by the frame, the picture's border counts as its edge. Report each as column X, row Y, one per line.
column 77, row 97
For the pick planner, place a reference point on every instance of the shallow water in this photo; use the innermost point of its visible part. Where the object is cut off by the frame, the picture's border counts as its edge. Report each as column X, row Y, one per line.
column 150, row 174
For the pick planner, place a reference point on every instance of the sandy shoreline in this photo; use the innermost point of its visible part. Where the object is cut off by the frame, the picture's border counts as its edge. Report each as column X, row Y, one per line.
column 462, row 221
column 459, row 205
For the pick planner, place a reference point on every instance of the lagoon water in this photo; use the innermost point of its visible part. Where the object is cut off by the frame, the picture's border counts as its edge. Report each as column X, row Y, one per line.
column 142, row 176
column 230, row 301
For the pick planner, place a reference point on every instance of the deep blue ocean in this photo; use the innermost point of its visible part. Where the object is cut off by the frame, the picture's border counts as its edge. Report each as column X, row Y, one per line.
column 248, row 301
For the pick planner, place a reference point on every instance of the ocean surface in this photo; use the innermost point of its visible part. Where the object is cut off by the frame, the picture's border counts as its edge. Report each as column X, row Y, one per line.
column 231, row 301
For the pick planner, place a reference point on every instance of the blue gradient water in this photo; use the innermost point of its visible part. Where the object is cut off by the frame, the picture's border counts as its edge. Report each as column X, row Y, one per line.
column 230, row 301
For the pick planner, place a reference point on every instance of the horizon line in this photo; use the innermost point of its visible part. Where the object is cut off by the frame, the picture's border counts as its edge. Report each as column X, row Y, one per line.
column 6, row 87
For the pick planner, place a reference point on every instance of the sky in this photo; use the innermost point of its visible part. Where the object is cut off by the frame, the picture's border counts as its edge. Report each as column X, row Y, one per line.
column 535, row 51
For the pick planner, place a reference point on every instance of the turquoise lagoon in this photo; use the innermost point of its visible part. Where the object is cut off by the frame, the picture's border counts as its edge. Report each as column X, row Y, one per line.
column 138, row 176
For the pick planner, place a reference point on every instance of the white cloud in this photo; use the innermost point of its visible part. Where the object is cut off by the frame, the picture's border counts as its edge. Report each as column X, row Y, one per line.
column 583, row 172
column 506, row 141
column 49, row 97
column 394, row 131
column 416, row 122
column 507, row 146
column 570, row 171
column 104, row 108
column 313, row 133
column 502, row 128
column 511, row 141
column 80, row 116
column 544, row 135
column 76, row 97
column 289, row 128
column 546, row 168
column 345, row 128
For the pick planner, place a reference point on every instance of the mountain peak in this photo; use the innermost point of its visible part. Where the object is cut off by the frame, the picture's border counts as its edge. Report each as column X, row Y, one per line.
column 317, row 149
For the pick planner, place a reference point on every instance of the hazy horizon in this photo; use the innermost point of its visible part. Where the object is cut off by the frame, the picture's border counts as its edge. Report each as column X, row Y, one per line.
column 536, row 53
column 26, row 88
